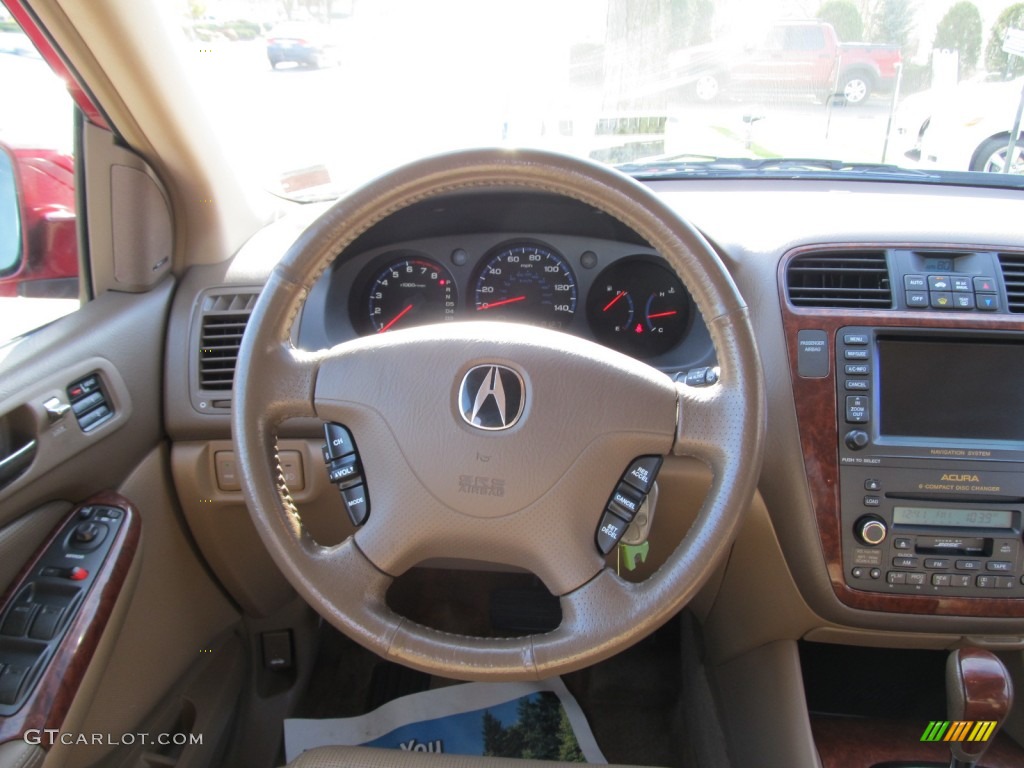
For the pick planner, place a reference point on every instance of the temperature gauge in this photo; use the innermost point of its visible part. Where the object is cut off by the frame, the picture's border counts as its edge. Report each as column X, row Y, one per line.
column 638, row 307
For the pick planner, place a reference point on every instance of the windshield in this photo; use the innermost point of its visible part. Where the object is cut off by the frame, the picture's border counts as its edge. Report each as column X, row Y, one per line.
column 318, row 96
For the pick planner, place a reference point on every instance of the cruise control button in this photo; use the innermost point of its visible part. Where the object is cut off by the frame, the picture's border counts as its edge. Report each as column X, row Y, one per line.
column 625, row 502
column 642, row 471
column 357, row 503
column 609, row 531
column 339, row 441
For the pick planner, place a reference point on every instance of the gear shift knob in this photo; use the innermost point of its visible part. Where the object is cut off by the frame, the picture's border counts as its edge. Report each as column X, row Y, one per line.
column 978, row 688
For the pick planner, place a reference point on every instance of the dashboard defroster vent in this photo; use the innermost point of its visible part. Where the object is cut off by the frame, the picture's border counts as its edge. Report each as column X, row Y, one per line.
column 1012, row 265
column 839, row 280
column 224, row 317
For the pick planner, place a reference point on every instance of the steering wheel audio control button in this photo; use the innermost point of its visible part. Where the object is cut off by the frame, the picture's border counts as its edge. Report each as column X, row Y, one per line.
column 339, row 442
column 357, row 503
column 344, row 470
column 609, row 531
column 642, row 472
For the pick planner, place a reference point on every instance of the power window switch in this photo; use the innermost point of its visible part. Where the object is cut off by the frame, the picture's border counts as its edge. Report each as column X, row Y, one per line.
column 45, row 625
column 18, row 619
column 277, row 650
column 11, row 679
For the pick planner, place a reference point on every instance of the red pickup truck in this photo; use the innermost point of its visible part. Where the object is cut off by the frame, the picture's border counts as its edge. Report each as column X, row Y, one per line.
column 801, row 57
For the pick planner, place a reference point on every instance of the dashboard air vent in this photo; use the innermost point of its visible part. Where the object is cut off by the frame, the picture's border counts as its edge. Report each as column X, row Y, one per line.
column 840, row 280
column 1013, row 276
column 223, row 322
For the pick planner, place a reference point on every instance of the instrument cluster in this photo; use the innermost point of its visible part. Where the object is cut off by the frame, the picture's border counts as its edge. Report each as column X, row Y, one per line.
column 622, row 296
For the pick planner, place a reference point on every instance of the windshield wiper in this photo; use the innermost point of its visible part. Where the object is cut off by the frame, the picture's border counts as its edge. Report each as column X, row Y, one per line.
column 684, row 166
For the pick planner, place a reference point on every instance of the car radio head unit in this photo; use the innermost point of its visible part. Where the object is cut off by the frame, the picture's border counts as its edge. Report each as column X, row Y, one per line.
column 931, row 455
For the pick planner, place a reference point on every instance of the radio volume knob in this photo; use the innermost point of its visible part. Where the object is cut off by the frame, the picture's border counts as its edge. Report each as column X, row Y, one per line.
column 857, row 439
column 870, row 530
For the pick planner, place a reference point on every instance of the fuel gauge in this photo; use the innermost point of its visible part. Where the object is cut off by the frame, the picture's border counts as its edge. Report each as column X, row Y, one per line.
column 639, row 307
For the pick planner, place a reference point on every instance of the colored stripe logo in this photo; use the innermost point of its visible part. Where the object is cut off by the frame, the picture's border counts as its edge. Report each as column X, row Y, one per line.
column 959, row 730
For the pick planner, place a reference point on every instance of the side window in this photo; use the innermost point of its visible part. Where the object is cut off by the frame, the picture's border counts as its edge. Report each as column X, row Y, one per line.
column 38, row 241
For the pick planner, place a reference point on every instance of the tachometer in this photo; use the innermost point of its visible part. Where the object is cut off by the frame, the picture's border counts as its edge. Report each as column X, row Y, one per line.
column 527, row 282
column 411, row 291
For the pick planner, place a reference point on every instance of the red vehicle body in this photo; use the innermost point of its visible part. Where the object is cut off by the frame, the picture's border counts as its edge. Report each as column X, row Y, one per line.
column 805, row 57
column 45, row 188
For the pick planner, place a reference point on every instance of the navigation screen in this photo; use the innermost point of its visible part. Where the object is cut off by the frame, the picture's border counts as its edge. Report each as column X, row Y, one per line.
column 958, row 390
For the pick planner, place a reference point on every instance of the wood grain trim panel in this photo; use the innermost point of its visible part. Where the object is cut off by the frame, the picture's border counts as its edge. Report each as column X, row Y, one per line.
column 816, row 414
column 56, row 689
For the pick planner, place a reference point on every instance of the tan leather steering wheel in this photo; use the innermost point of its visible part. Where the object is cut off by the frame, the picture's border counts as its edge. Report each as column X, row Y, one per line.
column 589, row 412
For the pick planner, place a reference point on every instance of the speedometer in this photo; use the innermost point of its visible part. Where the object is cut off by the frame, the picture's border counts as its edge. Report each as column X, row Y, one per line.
column 527, row 282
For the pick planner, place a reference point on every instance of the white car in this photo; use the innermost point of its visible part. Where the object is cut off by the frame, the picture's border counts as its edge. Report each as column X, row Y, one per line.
column 966, row 128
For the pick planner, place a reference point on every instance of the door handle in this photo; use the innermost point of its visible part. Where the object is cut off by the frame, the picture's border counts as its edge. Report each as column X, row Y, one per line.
column 12, row 465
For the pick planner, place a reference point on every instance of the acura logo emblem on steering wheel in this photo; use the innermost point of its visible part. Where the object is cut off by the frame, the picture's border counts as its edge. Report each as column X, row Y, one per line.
column 492, row 397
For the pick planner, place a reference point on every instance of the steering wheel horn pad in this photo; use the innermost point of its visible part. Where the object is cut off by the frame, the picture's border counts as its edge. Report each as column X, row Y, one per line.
column 529, row 495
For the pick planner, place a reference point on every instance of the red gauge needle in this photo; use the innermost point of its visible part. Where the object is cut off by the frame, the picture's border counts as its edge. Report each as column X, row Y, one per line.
column 500, row 303
column 611, row 303
column 396, row 318
column 663, row 314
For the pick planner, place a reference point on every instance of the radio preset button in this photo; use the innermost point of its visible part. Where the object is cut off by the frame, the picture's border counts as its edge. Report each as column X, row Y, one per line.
column 959, row 580
column 999, row 565
column 936, row 562
column 941, row 579
column 1005, row 582
column 985, row 582
column 896, row 577
column 968, row 565
column 917, row 579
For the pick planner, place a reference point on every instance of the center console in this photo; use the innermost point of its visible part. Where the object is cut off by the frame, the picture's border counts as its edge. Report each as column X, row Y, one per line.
column 930, row 429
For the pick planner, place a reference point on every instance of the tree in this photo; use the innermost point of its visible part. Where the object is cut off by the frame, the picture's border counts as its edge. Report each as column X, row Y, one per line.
column 541, row 732
column 995, row 60
column 844, row 16
column 892, row 22
column 960, row 30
